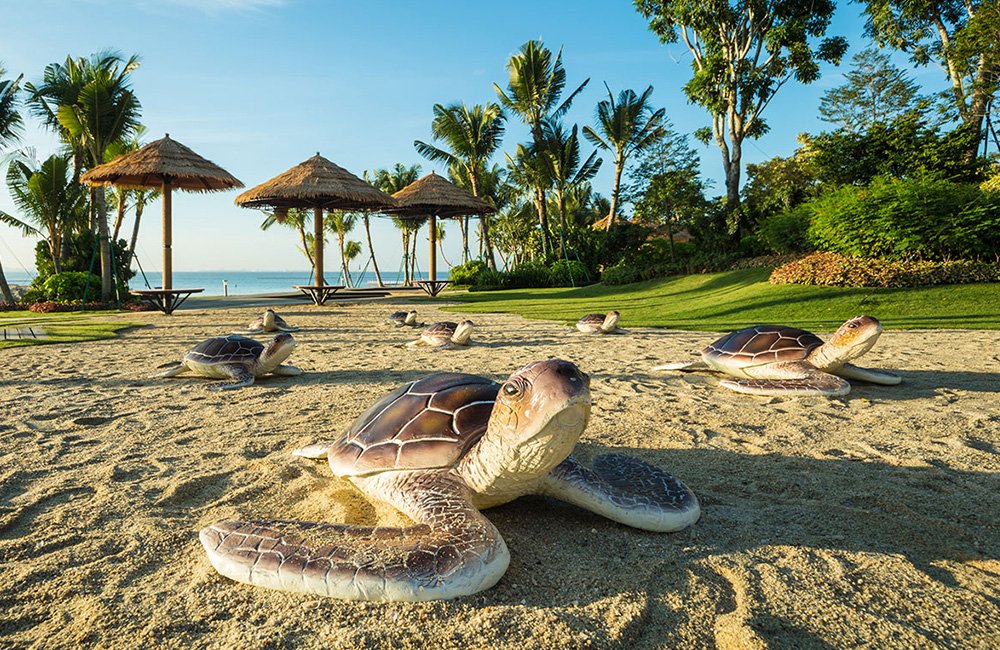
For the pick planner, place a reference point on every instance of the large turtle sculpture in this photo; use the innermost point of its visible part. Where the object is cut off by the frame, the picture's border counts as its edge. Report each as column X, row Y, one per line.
column 238, row 359
column 404, row 318
column 445, row 334
column 269, row 321
column 439, row 449
column 600, row 323
column 780, row 360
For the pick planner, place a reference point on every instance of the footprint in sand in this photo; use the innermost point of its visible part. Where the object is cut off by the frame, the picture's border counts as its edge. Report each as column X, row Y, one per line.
column 93, row 421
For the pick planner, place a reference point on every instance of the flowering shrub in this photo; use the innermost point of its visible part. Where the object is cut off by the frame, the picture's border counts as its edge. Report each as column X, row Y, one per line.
column 831, row 269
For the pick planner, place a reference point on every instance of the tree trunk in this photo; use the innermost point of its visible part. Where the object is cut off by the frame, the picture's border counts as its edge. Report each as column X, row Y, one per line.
column 8, row 296
column 484, row 225
column 616, row 188
column 107, row 272
column 120, row 216
column 371, row 251
column 306, row 248
column 135, row 236
column 413, row 254
column 561, row 200
column 543, row 221
column 406, row 256
column 463, row 225
column 345, row 277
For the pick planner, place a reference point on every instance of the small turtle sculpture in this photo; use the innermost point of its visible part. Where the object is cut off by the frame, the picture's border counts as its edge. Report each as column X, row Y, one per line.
column 238, row 359
column 439, row 449
column 268, row 322
column 445, row 334
column 600, row 323
column 404, row 318
column 779, row 360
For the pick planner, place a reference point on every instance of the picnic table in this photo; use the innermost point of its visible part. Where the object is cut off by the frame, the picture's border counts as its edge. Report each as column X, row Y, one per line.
column 166, row 300
column 319, row 293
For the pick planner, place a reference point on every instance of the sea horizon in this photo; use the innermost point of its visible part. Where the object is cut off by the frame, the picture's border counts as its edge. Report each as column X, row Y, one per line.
column 239, row 283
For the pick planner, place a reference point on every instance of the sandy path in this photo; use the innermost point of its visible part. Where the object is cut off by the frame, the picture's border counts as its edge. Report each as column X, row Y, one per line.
column 827, row 523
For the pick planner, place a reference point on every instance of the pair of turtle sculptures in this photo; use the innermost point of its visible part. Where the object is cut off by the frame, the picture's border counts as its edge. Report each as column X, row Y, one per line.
column 444, row 334
column 240, row 359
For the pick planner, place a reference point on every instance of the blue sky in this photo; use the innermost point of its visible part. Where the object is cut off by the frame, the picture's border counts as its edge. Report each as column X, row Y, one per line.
column 258, row 86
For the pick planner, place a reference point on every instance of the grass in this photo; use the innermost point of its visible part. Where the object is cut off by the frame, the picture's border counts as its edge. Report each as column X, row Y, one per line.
column 62, row 327
column 734, row 299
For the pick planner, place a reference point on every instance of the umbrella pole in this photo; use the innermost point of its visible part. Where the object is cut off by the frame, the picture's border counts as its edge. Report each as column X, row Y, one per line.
column 432, row 272
column 167, row 281
column 318, row 245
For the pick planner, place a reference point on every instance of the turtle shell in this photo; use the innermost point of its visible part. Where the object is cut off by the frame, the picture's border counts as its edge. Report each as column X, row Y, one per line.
column 755, row 346
column 444, row 328
column 592, row 319
column 397, row 317
column 226, row 349
column 429, row 423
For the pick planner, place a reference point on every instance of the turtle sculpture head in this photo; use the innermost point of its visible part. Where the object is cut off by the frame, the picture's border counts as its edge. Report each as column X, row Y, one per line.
column 850, row 341
column 411, row 318
column 462, row 333
column 610, row 321
column 277, row 351
column 269, row 322
column 537, row 419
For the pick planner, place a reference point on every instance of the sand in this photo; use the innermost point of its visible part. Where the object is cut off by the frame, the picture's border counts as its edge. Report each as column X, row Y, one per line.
column 869, row 520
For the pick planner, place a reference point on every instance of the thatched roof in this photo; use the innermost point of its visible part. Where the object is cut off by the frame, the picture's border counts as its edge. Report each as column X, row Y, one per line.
column 316, row 183
column 164, row 159
column 436, row 195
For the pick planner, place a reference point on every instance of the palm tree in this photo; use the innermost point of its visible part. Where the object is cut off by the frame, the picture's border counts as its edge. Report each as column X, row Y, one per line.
column 628, row 125
column 472, row 136
column 48, row 197
column 563, row 151
column 530, row 169
column 91, row 103
column 296, row 219
column 537, row 80
column 341, row 223
column 390, row 182
column 10, row 127
column 351, row 250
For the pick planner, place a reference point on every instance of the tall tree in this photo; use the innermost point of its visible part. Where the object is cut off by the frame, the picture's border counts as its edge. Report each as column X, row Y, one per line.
column 530, row 169
column 390, row 182
column 876, row 91
column 341, row 223
column 962, row 36
column 47, row 197
column 743, row 52
column 563, row 151
column 104, row 110
column 624, row 127
column 535, row 85
column 472, row 136
column 10, row 127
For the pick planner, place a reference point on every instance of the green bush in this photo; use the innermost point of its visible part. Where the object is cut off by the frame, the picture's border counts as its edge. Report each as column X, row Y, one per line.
column 831, row 269
column 568, row 273
column 786, row 232
column 530, row 275
column 922, row 218
column 69, row 286
column 467, row 273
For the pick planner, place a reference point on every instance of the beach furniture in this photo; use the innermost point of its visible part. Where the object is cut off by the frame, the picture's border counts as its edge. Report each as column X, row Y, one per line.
column 434, row 196
column 321, row 185
column 165, row 165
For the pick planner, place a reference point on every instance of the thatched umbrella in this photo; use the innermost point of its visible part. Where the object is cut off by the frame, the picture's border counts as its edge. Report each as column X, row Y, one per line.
column 435, row 196
column 164, row 165
column 321, row 185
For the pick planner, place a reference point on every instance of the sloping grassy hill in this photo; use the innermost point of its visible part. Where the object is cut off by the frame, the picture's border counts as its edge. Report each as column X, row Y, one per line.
column 63, row 327
column 734, row 299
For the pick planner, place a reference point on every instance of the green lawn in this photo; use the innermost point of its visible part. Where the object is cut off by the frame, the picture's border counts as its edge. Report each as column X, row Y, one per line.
column 735, row 299
column 63, row 327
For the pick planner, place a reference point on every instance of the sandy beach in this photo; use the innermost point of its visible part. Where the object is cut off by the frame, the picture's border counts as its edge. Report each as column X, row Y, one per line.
column 870, row 520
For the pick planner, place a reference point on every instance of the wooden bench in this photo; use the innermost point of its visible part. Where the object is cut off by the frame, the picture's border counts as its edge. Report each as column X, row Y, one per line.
column 319, row 293
column 166, row 300
column 433, row 287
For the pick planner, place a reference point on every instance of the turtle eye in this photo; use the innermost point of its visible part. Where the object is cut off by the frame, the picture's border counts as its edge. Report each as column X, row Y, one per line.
column 511, row 389
column 852, row 326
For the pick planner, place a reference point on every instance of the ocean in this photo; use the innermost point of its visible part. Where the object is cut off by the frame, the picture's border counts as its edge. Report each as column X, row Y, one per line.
column 216, row 283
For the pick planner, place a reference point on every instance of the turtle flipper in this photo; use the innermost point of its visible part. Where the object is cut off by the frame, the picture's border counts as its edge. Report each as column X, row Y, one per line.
column 811, row 382
column 452, row 551
column 850, row 371
column 626, row 490
column 683, row 365
column 287, row 371
column 179, row 369
column 318, row 450
column 286, row 328
column 241, row 376
column 255, row 330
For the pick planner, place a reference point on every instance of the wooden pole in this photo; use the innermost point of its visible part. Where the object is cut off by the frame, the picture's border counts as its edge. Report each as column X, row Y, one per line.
column 318, row 245
column 168, row 269
column 432, row 275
